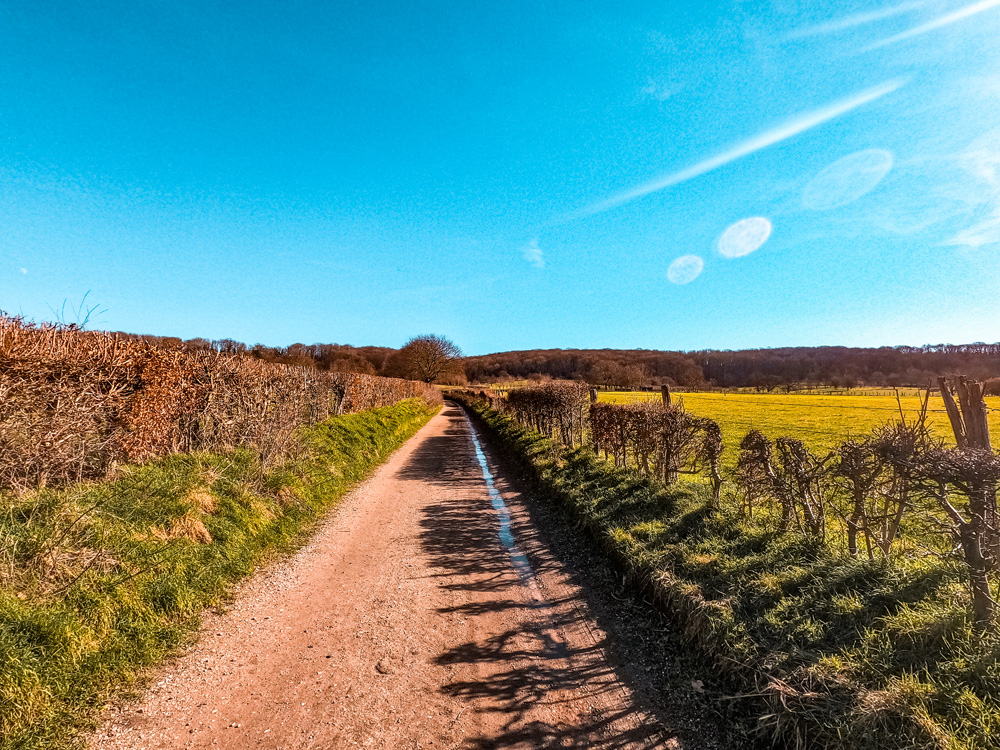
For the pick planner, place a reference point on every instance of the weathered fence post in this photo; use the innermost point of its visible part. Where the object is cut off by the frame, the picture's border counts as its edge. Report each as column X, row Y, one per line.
column 954, row 416
column 979, row 536
column 665, row 392
column 969, row 416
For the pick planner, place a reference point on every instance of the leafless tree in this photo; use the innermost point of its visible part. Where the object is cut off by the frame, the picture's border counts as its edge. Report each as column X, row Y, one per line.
column 678, row 443
column 802, row 485
column 859, row 470
column 898, row 446
column 427, row 358
column 755, row 471
column 973, row 473
column 797, row 478
column 710, row 456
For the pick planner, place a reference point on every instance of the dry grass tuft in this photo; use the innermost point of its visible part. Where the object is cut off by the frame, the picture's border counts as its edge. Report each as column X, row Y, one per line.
column 189, row 527
column 901, row 707
column 201, row 499
column 287, row 497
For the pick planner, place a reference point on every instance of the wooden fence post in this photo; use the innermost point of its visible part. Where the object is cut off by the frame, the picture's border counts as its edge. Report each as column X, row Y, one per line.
column 968, row 417
column 954, row 416
column 979, row 536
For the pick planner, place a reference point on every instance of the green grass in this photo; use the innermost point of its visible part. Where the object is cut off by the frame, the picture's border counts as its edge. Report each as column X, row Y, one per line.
column 820, row 421
column 100, row 581
column 827, row 652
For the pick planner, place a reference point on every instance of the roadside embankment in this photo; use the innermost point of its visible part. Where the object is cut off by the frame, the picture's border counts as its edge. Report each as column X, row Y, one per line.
column 826, row 651
column 101, row 580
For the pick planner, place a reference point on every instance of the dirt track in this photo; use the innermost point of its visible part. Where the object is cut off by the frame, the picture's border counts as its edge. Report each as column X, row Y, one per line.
column 404, row 624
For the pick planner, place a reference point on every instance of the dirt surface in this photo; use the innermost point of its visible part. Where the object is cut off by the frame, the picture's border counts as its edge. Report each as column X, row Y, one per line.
column 405, row 623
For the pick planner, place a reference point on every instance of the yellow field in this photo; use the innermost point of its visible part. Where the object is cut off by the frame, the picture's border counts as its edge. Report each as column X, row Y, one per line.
column 821, row 422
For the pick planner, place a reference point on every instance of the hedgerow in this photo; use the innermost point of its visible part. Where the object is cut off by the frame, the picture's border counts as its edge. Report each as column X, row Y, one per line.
column 831, row 650
column 74, row 404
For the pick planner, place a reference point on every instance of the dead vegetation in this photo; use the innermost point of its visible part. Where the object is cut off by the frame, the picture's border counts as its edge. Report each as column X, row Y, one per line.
column 74, row 403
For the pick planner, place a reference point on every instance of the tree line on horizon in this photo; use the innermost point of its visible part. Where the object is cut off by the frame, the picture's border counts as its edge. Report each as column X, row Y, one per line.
column 764, row 369
column 428, row 357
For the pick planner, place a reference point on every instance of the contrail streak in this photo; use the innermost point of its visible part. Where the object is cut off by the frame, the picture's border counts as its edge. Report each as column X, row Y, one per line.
column 946, row 20
column 783, row 132
column 852, row 21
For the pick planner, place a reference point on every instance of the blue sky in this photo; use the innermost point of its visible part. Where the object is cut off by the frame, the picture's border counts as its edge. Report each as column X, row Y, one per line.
column 662, row 175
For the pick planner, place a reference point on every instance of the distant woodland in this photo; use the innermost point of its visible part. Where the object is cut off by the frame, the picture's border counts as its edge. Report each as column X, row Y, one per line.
column 764, row 369
column 370, row 360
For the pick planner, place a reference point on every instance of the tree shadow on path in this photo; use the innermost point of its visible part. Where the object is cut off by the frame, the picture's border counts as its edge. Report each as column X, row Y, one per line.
column 549, row 693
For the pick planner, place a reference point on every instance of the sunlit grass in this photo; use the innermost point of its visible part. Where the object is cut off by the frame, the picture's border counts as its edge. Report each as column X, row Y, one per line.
column 839, row 652
column 101, row 580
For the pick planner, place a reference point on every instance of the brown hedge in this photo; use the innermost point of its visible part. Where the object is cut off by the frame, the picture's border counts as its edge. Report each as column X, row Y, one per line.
column 74, row 403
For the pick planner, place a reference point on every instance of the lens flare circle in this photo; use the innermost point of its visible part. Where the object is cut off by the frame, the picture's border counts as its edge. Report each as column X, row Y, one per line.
column 685, row 269
column 847, row 179
column 743, row 237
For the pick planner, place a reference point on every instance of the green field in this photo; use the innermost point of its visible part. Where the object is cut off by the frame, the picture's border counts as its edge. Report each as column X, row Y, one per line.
column 820, row 421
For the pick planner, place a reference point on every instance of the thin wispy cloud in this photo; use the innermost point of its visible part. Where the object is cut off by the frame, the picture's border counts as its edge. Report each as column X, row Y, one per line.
column 981, row 161
column 941, row 21
column 854, row 20
column 981, row 234
column 533, row 254
column 789, row 129
column 657, row 90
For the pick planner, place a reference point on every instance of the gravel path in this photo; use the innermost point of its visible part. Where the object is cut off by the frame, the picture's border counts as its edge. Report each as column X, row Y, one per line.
column 405, row 623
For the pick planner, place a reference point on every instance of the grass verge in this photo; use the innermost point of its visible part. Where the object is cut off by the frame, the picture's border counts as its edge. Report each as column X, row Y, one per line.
column 827, row 652
column 99, row 581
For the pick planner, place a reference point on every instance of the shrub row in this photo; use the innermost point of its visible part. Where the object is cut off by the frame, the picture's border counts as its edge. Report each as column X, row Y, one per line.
column 900, row 490
column 74, row 403
column 556, row 409
column 659, row 439
column 829, row 651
